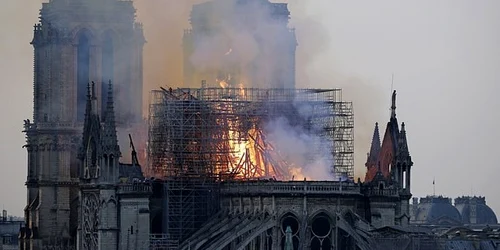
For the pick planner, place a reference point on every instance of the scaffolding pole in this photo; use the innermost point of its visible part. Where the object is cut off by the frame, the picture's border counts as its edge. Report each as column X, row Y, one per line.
column 221, row 131
column 199, row 137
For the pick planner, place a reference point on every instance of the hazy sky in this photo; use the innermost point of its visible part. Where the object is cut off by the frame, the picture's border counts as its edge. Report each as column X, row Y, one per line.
column 445, row 56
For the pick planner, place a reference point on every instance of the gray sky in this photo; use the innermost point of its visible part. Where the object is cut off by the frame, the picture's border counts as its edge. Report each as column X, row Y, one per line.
column 445, row 56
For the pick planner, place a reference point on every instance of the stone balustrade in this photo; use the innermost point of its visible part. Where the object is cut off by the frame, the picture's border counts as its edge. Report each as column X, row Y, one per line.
column 383, row 192
column 290, row 188
column 56, row 125
column 134, row 188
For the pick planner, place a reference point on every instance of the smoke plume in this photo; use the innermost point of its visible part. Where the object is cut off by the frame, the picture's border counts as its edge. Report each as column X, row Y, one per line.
column 165, row 20
column 307, row 153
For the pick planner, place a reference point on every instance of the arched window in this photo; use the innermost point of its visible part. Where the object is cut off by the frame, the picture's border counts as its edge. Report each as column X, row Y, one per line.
column 321, row 230
column 290, row 222
column 83, row 73
column 404, row 179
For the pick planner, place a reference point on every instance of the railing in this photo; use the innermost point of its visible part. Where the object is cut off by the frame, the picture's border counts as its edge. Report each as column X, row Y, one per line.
column 276, row 187
column 134, row 188
column 163, row 242
column 56, row 125
column 383, row 192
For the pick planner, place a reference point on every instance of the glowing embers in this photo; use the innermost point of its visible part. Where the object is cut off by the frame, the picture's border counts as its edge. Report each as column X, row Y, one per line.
column 245, row 133
column 253, row 157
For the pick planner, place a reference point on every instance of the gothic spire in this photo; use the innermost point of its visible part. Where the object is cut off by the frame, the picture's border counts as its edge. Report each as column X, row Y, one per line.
column 91, row 126
column 403, row 143
column 393, row 106
column 393, row 126
column 88, row 108
column 110, row 109
column 110, row 139
column 93, row 100
column 375, row 147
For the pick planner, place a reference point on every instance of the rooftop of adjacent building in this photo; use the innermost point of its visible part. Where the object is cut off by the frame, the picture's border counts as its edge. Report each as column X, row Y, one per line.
column 5, row 218
column 441, row 210
column 9, row 229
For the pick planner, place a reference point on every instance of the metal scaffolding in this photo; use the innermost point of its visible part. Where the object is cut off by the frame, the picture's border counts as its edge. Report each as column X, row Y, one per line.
column 220, row 132
column 189, row 202
column 198, row 137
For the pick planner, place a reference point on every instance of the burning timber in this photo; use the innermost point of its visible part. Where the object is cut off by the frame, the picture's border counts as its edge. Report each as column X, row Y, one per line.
column 226, row 133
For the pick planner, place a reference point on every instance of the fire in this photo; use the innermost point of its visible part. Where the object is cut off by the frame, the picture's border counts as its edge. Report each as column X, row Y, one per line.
column 250, row 155
column 224, row 83
column 232, row 143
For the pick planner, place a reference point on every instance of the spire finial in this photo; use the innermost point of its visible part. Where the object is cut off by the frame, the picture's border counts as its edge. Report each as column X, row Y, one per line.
column 93, row 89
column 373, row 155
column 88, row 91
column 393, row 106
column 110, row 140
column 110, row 93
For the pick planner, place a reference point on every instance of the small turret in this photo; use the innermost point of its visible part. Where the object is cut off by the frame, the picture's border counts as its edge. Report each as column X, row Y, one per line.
column 100, row 150
column 375, row 147
column 93, row 99
column 393, row 105
column 403, row 153
column 109, row 137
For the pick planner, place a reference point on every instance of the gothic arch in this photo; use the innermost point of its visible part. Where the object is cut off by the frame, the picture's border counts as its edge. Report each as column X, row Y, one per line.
column 319, row 212
column 109, row 33
column 103, row 204
column 289, row 213
column 80, row 31
column 321, row 228
column 112, row 200
column 289, row 218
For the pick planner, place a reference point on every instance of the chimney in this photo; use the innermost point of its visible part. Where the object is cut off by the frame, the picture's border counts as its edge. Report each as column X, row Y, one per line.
column 473, row 210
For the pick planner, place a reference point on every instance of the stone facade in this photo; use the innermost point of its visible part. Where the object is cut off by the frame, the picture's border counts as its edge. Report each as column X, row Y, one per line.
column 112, row 214
column 321, row 215
column 264, row 214
column 76, row 42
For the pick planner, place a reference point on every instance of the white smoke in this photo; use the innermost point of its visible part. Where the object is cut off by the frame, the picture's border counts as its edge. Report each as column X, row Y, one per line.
column 308, row 154
column 252, row 37
column 249, row 38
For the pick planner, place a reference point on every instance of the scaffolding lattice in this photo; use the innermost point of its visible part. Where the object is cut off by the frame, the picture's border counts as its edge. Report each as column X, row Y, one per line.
column 189, row 202
column 219, row 132
column 198, row 137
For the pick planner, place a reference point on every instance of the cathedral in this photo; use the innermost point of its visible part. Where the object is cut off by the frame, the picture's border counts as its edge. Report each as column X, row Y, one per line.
column 81, row 194
column 77, row 42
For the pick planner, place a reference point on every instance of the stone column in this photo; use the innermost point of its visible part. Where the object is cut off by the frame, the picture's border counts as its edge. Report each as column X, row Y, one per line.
column 263, row 240
column 408, row 178
column 276, row 237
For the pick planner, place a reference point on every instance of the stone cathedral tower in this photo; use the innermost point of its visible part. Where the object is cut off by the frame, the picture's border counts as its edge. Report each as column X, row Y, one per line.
column 76, row 42
column 112, row 214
